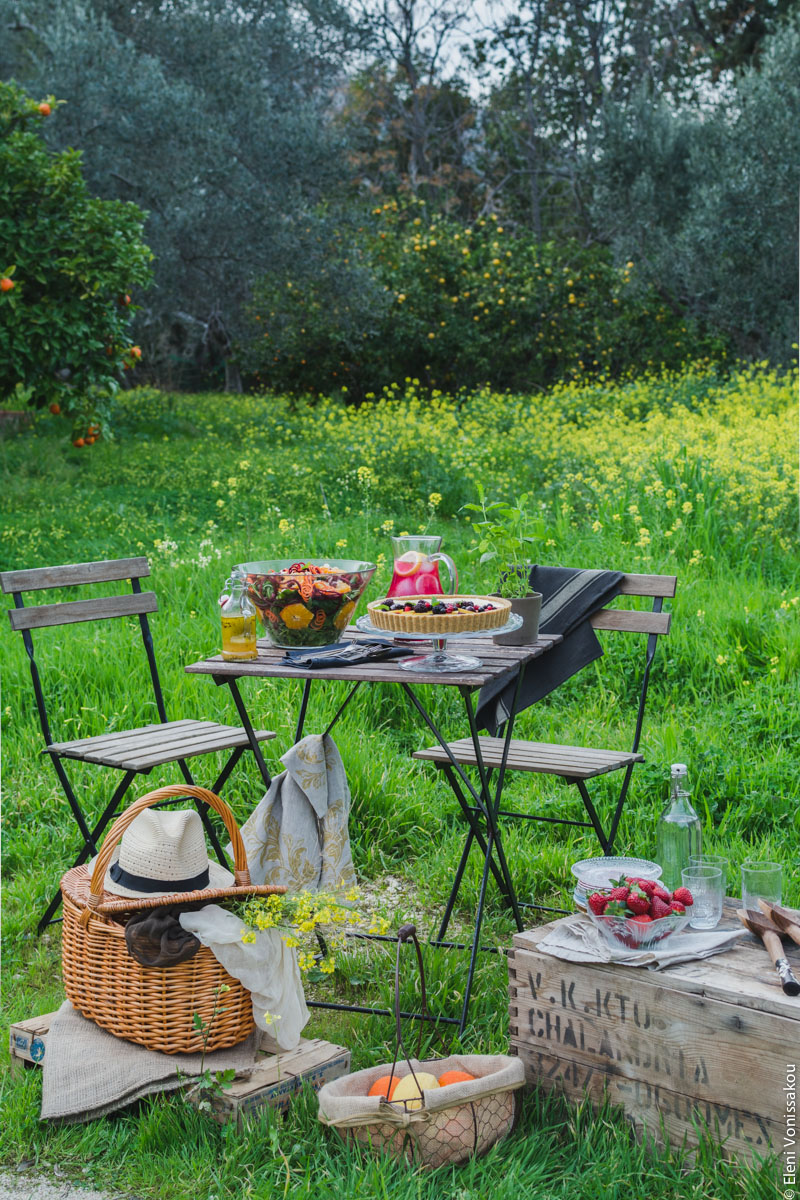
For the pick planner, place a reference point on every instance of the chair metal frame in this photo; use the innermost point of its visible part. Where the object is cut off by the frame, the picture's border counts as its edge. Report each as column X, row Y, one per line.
column 26, row 618
column 655, row 624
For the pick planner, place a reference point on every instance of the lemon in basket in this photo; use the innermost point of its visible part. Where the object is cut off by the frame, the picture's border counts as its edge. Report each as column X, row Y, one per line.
column 408, row 1089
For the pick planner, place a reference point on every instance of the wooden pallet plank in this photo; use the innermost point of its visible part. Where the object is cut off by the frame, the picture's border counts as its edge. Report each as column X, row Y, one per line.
column 74, row 575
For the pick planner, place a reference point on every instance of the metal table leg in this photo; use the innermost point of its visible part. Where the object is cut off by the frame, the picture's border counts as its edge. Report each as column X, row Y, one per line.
column 246, row 725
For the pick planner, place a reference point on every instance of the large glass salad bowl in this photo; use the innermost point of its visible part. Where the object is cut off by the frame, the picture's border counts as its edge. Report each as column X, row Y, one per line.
column 305, row 602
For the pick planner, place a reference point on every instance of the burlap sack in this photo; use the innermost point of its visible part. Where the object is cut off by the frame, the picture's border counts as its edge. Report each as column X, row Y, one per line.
column 454, row 1123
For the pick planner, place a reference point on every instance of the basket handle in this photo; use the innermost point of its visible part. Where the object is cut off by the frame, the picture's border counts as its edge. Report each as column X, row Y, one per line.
column 408, row 933
column 103, row 860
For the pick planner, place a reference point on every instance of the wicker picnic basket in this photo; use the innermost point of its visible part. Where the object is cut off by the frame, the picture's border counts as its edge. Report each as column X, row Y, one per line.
column 453, row 1123
column 153, row 1006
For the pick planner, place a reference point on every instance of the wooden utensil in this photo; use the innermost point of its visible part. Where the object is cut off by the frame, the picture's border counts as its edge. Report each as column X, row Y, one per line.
column 762, row 928
column 786, row 919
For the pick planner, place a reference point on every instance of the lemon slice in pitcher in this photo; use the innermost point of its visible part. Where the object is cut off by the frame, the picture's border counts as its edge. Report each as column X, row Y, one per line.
column 408, row 563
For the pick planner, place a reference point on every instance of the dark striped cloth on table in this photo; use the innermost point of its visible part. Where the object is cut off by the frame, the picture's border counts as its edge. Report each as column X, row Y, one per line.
column 569, row 597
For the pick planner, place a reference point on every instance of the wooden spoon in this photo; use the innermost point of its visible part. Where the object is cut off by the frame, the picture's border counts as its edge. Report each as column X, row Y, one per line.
column 762, row 928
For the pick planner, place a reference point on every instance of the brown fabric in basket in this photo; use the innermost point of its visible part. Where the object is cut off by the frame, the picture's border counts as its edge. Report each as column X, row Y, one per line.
column 155, row 937
column 88, row 1073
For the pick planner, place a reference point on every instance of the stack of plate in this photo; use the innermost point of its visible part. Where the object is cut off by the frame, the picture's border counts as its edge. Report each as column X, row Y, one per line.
column 594, row 873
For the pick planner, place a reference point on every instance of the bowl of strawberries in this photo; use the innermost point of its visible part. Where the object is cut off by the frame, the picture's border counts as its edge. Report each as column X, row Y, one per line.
column 636, row 914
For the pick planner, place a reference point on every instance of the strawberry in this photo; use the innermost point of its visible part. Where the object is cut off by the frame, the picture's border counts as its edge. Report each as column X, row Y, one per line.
column 647, row 885
column 597, row 903
column 662, row 893
column 619, row 893
column 638, row 901
column 659, row 909
column 678, row 908
column 642, row 919
column 683, row 896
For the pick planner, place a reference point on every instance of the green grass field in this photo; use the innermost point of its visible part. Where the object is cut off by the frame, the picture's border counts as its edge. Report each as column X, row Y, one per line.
column 692, row 474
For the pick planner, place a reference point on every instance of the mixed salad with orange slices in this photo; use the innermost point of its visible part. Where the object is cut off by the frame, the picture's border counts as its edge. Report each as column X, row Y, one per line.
column 306, row 603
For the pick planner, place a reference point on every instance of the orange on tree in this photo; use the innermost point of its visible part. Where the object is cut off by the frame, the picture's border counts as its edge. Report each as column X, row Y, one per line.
column 79, row 442
column 55, row 408
column 45, row 109
column 6, row 284
column 136, row 351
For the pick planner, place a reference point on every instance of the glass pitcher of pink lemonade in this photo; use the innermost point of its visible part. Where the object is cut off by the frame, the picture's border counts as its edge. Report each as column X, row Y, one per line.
column 416, row 567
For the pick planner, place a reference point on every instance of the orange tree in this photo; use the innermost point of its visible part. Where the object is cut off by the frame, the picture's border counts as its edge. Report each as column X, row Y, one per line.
column 68, row 262
column 455, row 306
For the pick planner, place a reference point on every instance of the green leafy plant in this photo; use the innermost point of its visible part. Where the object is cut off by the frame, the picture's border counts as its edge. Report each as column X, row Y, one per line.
column 65, row 303
column 210, row 1085
column 506, row 534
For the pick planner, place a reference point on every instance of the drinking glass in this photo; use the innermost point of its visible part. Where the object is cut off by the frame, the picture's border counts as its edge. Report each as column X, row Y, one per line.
column 707, row 885
column 712, row 860
column 760, row 881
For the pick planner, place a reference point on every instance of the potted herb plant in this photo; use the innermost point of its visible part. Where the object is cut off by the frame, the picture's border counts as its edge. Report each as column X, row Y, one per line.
column 506, row 534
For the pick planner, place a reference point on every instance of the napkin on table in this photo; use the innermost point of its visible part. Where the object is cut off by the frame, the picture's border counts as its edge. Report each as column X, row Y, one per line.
column 576, row 939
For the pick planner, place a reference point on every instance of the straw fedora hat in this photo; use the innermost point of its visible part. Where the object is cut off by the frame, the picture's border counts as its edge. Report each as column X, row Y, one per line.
column 163, row 854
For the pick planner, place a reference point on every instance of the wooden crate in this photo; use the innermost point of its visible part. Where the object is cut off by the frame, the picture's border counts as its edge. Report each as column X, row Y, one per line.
column 703, row 1044
column 273, row 1082
column 27, row 1041
column 278, row 1077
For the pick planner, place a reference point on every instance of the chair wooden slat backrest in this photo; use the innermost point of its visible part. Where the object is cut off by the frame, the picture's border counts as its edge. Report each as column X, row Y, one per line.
column 72, row 611
column 654, row 623
column 135, row 603
column 75, row 574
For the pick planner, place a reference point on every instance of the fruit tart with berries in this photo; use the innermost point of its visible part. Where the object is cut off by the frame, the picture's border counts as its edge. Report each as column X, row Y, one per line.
column 439, row 616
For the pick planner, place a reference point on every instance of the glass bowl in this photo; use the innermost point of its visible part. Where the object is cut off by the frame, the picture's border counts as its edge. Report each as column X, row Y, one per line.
column 305, row 607
column 625, row 933
column 595, row 874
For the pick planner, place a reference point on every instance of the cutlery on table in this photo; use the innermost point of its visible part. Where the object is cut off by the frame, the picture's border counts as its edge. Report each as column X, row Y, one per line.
column 762, row 928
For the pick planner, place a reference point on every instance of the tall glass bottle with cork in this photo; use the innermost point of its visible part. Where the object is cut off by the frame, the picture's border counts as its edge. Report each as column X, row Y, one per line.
column 238, row 622
column 679, row 832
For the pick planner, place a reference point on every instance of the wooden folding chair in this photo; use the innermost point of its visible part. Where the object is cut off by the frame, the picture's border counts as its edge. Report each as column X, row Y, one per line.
column 574, row 764
column 132, row 751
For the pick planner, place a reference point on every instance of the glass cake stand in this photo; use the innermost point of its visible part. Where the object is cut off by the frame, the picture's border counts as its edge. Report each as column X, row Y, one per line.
column 440, row 660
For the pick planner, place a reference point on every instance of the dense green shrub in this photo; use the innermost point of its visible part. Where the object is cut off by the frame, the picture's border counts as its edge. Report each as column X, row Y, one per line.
column 67, row 261
column 707, row 201
column 456, row 306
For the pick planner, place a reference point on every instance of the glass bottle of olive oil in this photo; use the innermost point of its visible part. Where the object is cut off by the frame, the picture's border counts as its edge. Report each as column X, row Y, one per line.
column 238, row 623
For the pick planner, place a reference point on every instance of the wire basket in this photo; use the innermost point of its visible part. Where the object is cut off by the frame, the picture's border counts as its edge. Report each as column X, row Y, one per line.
column 452, row 1124
column 153, row 1006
